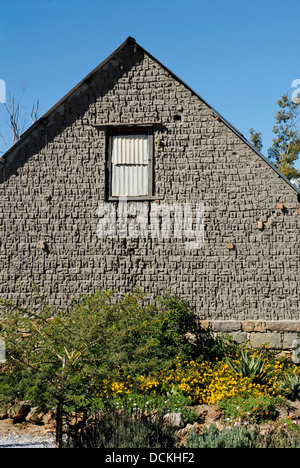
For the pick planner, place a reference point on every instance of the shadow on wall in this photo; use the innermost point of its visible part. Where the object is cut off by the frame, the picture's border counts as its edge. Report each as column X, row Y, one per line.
column 66, row 111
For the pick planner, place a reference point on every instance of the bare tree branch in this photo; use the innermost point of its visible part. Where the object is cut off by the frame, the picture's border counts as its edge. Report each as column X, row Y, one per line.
column 17, row 116
column 13, row 110
column 34, row 112
column 2, row 138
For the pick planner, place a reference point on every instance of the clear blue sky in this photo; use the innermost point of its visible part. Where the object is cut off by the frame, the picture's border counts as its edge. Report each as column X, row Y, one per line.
column 239, row 55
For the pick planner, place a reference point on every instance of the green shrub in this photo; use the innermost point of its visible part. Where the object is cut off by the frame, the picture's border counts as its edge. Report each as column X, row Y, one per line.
column 252, row 409
column 123, row 430
column 290, row 387
column 55, row 356
column 242, row 437
column 146, row 337
column 97, row 337
column 253, row 367
column 227, row 438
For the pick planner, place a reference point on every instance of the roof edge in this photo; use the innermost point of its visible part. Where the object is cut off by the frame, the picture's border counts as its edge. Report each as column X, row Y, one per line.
column 228, row 124
column 131, row 40
column 66, row 96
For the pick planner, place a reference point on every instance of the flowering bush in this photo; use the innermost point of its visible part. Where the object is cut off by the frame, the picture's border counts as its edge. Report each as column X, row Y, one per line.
column 202, row 382
column 129, row 350
column 254, row 409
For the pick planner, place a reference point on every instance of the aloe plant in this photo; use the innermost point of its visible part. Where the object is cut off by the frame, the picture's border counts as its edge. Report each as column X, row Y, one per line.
column 291, row 387
column 253, row 367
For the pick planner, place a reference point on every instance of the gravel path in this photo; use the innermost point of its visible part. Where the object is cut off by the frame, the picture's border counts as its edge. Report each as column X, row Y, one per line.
column 26, row 441
column 14, row 436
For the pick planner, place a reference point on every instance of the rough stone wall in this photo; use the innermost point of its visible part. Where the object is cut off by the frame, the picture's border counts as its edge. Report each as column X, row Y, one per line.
column 54, row 181
column 277, row 335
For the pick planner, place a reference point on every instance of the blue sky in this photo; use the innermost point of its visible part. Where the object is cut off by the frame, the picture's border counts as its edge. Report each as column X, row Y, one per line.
column 239, row 55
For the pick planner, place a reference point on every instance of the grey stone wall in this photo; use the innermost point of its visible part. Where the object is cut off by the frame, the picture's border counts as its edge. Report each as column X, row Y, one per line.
column 278, row 335
column 54, row 180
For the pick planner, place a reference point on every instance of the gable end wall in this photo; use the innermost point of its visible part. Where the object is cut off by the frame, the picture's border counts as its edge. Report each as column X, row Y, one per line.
column 54, row 181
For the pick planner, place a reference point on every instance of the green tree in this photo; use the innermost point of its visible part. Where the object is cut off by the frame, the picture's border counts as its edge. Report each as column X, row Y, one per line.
column 285, row 149
column 51, row 357
column 286, row 145
column 256, row 139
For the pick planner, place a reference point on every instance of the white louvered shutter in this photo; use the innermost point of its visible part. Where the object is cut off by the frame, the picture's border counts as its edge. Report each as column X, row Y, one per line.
column 130, row 166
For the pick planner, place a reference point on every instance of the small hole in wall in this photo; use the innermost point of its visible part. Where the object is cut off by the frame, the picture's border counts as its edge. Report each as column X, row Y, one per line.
column 177, row 117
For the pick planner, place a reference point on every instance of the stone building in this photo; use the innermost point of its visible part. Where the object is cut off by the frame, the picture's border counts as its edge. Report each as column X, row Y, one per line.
column 132, row 179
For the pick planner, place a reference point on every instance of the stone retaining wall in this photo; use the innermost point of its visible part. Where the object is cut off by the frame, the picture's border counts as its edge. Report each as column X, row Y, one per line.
column 277, row 335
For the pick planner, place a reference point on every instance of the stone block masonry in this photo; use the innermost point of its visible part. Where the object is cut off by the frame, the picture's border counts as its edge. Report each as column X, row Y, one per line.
column 54, row 179
column 276, row 335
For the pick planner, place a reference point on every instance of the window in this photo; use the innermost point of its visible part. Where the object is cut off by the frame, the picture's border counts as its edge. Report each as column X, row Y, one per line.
column 130, row 162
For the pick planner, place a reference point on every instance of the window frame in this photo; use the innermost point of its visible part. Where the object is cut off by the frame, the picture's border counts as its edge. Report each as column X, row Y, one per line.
column 130, row 130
